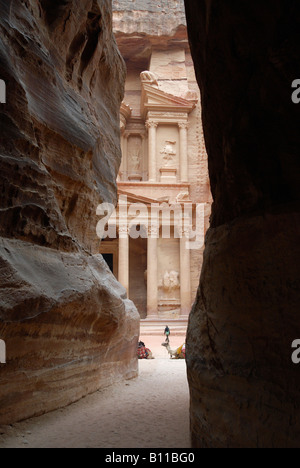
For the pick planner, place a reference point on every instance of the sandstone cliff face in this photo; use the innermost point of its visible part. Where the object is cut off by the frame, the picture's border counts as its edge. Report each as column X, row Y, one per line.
column 245, row 390
column 68, row 326
column 160, row 24
column 145, row 16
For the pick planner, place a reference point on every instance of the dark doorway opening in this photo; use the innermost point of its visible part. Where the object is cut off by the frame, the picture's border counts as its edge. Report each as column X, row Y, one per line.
column 109, row 258
column 138, row 274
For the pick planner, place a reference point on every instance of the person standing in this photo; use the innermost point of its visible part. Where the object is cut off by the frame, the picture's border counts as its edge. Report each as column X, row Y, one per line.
column 167, row 334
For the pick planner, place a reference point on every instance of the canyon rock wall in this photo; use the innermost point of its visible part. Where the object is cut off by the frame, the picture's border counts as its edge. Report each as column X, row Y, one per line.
column 152, row 18
column 146, row 24
column 67, row 324
column 245, row 390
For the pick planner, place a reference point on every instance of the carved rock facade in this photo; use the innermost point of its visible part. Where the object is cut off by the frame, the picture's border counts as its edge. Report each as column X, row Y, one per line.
column 164, row 160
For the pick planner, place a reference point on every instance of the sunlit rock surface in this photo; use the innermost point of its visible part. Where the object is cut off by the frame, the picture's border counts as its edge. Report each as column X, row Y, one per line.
column 148, row 24
column 68, row 326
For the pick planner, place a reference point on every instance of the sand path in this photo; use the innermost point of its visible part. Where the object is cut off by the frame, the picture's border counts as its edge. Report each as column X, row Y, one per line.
column 151, row 411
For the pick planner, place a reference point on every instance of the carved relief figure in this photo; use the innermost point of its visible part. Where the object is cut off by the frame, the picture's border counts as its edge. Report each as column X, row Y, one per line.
column 149, row 77
column 169, row 153
column 135, row 154
column 174, row 280
column 170, row 282
column 182, row 196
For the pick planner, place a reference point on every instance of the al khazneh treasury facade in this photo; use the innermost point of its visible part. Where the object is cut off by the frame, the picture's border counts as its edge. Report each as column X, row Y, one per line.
column 164, row 191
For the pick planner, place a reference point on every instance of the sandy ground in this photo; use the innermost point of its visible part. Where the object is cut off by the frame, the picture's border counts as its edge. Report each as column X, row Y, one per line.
column 151, row 411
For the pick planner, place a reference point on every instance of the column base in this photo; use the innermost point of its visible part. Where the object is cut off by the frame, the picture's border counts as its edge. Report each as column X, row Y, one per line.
column 135, row 178
column 168, row 175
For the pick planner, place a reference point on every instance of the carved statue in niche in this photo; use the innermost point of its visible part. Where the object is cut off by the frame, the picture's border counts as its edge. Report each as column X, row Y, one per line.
column 183, row 196
column 170, row 282
column 135, row 155
column 169, row 153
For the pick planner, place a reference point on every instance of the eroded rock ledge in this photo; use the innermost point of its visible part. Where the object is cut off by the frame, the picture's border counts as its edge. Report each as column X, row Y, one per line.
column 68, row 326
column 148, row 24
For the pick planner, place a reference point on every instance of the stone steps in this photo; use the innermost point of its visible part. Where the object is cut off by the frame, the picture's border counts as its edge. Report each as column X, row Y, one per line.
column 156, row 327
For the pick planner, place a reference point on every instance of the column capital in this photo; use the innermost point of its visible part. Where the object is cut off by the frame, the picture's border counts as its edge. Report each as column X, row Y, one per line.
column 151, row 124
column 153, row 232
column 123, row 231
column 186, row 232
column 183, row 125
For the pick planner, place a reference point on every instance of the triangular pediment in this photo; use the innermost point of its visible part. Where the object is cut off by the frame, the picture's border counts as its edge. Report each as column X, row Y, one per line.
column 154, row 99
column 135, row 198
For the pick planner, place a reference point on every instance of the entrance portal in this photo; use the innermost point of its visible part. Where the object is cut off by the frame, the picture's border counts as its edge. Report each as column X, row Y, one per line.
column 138, row 274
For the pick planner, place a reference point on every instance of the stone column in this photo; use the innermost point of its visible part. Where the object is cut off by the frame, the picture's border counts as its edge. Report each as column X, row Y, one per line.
column 152, row 126
column 185, row 275
column 152, row 273
column 124, row 257
column 121, row 170
column 144, row 162
column 184, row 170
column 124, row 157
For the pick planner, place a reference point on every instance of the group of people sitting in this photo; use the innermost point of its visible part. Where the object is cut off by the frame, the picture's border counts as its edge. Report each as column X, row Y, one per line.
column 145, row 353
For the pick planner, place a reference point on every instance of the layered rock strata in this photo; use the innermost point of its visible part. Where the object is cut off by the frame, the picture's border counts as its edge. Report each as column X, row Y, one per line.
column 163, row 21
column 67, row 324
column 245, row 389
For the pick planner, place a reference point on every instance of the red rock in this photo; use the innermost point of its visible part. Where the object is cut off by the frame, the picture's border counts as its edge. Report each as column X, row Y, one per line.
column 67, row 324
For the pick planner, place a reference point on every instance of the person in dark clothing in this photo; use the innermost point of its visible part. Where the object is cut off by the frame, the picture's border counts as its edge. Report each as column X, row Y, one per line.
column 167, row 334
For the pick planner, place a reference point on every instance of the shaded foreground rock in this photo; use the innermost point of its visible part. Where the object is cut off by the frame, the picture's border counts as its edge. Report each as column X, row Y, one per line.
column 68, row 326
column 245, row 390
